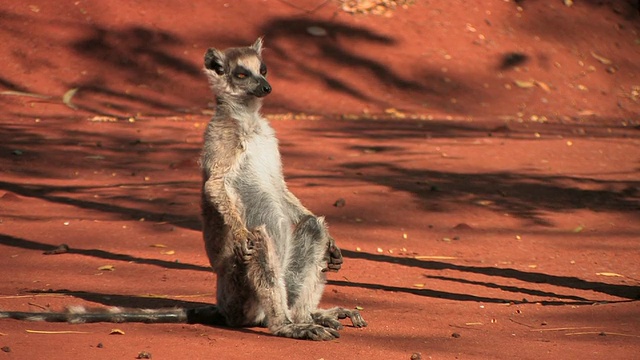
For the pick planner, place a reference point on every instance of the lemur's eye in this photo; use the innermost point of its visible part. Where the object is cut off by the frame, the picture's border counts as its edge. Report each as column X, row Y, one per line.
column 263, row 69
column 241, row 75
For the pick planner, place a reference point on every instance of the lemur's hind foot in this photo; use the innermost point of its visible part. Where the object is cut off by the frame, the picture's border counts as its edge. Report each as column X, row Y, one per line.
column 330, row 317
column 306, row 332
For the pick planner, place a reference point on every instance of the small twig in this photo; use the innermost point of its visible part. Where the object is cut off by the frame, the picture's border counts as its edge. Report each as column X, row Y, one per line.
column 56, row 332
column 565, row 328
column 36, row 305
column 466, row 327
column 162, row 296
column 520, row 323
column 32, row 295
column 22, row 93
column 600, row 333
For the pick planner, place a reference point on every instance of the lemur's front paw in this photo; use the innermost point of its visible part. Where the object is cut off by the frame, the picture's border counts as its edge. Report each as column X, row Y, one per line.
column 245, row 247
column 248, row 245
column 334, row 257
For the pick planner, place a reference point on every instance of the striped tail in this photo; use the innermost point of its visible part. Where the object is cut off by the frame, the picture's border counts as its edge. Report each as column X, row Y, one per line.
column 208, row 315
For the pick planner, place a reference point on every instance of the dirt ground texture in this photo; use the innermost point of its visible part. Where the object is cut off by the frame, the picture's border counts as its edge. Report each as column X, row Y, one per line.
column 487, row 155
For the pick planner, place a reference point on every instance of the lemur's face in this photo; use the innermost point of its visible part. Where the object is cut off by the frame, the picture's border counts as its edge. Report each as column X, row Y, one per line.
column 237, row 71
column 248, row 72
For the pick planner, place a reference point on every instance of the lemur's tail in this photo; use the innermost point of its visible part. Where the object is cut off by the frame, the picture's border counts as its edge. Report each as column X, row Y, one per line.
column 209, row 315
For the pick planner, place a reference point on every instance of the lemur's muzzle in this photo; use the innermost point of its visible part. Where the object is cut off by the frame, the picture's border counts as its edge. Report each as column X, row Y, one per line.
column 263, row 88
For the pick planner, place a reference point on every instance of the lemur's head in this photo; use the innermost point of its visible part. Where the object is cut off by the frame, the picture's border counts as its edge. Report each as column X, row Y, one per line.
column 237, row 72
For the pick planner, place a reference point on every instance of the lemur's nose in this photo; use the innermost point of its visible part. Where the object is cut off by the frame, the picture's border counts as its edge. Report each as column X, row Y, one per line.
column 262, row 89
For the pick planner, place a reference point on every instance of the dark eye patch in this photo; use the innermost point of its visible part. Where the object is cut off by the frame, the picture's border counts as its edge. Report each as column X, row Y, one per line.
column 241, row 72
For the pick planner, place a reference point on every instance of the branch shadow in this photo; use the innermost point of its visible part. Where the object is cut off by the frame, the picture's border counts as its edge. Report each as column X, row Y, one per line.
column 332, row 60
column 44, row 192
column 12, row 241
column 139, row 69
column 125, row 70
column 526, row 195
column 40, row 156
column 621, row 291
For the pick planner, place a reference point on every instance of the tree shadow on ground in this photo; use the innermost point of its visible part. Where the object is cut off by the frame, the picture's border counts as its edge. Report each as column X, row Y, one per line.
column 145, row 166
column 125, row 71
column 139, row 69
column 524, row 196
column 48, row 193
column 527, row 195
column 333, row 60
column 631, row 293
column 289, row 30
column 622, row 291
column 15, row 242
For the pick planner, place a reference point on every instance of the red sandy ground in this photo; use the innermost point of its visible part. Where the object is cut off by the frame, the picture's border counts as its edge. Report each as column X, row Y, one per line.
column 491, row 208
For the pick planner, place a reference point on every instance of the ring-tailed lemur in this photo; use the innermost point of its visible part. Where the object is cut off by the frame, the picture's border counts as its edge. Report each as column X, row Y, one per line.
column 269, row 252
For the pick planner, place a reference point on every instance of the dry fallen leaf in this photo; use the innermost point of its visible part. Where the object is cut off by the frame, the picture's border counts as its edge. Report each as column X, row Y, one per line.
column 107, row 268
column 578, row 229
column 63, row 248
column 144, row 355
column 341, row 202
column 158, row 245
column 375, row 7
column 359, row 308
column 317, row 31
column 66, row 98
column 168, row 252
column 418, row 285
column 101, row 118
column 116, row 332
column 543, row 86
column 395, row 113
column 586, row 113
column 524, row 84
column 602, row 59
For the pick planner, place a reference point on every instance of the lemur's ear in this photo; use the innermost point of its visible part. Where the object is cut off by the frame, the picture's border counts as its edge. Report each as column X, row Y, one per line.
column 214, row 60
column 257, row 45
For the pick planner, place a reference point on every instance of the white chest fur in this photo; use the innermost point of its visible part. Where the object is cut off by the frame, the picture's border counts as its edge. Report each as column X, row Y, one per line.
column 262, row 156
